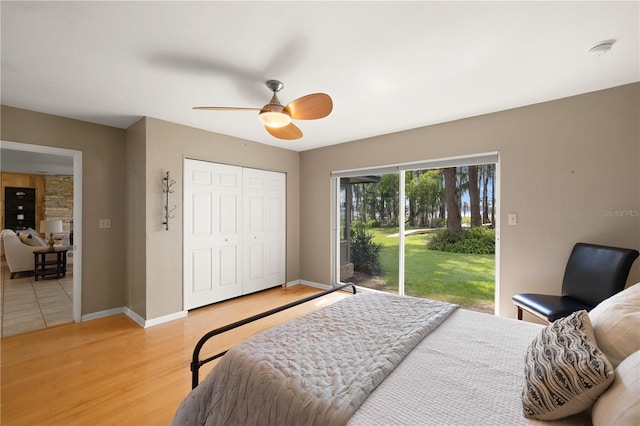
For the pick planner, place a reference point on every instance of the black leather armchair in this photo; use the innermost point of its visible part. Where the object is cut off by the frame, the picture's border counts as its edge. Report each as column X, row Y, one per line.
column 593, row 273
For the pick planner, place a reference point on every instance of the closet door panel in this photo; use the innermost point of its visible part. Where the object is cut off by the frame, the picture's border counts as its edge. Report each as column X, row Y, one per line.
column 256, row 262
column 228, row 276
column 254, row 220
column 212, row 233
column 275, row 229
column 265, row 204
column 201, row 265
column 201, row 214
column 234, row 232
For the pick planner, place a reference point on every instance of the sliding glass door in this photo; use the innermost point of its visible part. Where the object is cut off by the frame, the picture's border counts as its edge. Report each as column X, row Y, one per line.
column 368, row 231
column 438, row 242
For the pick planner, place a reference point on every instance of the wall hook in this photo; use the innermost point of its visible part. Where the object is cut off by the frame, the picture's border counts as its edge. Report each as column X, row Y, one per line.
column 167, row 184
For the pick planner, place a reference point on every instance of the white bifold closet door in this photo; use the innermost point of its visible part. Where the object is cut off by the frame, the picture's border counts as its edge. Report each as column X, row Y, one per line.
column 264, row 229
column 234, row 231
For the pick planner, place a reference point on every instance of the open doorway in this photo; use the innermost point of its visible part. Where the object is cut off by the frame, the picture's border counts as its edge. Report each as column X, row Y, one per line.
column 39, row 154
column 426, row 229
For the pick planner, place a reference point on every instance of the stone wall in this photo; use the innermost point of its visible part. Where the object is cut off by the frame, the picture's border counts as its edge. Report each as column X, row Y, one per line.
column 58, row 201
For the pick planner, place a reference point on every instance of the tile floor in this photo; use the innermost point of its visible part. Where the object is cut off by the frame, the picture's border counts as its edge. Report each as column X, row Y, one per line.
column 27, row 305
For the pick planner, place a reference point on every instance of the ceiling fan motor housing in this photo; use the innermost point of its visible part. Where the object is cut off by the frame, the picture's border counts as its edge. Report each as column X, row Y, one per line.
column 274, row 85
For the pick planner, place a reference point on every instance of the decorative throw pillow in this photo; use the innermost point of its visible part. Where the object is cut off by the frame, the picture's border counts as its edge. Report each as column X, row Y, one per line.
column 620, row 404
column 27, row 232
column 39, row 239
column 29, row 240
column 616, row 323
column 564, row 372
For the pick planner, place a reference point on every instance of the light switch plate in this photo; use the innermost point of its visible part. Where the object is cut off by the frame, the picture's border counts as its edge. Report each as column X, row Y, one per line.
column 104, row 223
column 513, row 219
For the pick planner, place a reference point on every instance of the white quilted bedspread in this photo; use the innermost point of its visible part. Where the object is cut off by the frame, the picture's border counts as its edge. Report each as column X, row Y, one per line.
column 468, row 372
column 315, row 370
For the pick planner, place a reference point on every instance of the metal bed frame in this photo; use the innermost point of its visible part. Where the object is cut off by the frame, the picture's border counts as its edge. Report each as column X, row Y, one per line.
column 196, row 362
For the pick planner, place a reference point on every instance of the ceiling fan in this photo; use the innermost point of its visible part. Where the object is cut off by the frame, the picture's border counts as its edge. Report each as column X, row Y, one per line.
column 277, row 118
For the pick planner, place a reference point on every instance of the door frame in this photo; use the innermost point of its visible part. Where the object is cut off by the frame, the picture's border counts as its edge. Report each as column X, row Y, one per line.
column 76, row 155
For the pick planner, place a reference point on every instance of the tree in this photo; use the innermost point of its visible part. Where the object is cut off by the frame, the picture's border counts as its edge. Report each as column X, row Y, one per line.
column 424, row 191
column 493, row 195
column 474, row 196
column 388, row 198
column 454, row 221
column 485, row 173
column 432, row 182
column 410, row 184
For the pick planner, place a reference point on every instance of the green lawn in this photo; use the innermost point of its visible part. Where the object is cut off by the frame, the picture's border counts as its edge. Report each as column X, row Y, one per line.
column 465, row 279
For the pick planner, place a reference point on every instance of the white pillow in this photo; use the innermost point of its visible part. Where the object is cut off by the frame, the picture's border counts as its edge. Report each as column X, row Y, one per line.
column 620, row 404
column 31, row 240
column 38, row 238
column 616, row 323
column 26, row 231
column 564, row 371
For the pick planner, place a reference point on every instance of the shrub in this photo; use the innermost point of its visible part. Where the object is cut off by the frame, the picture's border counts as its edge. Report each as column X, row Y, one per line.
column 476, row 240
column 365, row 253
column 437, row 222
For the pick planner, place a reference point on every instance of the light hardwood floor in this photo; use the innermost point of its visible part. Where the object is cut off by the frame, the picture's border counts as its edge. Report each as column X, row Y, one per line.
column 110, row 371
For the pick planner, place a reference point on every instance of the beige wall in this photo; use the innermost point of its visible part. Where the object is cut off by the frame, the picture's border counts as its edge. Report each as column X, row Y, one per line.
column 167, row 144
column 136, row 196
column 563, row 165
column 102, row 194
column 137, row 263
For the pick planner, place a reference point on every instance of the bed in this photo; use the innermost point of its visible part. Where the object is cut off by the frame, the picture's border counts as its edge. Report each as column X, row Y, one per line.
column 380, row 359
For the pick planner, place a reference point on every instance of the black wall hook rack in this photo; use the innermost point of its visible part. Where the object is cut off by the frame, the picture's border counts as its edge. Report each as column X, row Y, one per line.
column 167, row 184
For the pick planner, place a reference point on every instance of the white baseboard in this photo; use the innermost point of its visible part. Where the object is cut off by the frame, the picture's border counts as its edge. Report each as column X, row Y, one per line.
column 165, row 318
column 102, row 314
column 314, row 284
column 155, row 321
column 134, row 316
column 292, row 283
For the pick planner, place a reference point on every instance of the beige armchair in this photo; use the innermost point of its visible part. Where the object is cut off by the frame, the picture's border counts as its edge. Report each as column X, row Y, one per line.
column 18, row 249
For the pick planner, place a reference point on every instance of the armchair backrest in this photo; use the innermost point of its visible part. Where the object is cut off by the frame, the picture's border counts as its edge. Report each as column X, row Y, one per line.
column 595, row 272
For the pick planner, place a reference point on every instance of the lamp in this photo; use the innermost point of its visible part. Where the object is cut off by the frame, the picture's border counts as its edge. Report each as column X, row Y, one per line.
column 50, row 227
column 274, row 118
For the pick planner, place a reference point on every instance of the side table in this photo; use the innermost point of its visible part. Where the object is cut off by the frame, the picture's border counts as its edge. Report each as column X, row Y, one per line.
column 44, row 264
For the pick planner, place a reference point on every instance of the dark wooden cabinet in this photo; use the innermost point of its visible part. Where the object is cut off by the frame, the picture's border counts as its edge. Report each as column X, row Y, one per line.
column 19, row 208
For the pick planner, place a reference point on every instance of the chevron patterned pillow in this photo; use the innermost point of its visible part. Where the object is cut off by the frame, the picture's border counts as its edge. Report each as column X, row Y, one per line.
column 564, row 372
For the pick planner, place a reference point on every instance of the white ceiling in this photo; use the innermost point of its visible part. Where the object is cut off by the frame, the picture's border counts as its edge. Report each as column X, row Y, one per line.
column 35, row 163
column 388, row 66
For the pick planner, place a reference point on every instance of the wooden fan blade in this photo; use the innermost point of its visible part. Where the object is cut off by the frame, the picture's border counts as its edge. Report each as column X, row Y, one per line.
column 211, row 108
column 310, row 107
column 289, row 132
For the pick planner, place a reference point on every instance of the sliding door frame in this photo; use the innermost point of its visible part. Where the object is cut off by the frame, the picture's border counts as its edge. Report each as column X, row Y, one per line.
column 401, row 168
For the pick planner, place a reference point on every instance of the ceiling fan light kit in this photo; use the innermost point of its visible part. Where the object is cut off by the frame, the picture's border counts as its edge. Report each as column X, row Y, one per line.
column 277, row 118
column 274, row 118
